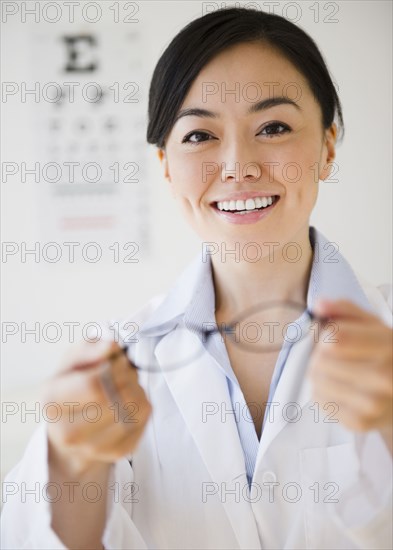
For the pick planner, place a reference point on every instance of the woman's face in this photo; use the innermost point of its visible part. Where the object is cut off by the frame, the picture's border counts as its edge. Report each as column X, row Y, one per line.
column 226, row 162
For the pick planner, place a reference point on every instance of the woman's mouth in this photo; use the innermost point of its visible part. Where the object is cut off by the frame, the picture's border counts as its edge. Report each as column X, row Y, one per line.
column 247, row 210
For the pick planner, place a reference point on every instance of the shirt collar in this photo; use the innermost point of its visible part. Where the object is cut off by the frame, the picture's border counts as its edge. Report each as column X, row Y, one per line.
column 192, row 296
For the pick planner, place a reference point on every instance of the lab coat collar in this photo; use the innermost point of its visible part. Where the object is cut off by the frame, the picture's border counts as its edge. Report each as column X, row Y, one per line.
column 194, row 279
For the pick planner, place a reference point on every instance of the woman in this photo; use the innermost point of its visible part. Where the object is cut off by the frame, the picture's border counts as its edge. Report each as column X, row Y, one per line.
column 245, row 117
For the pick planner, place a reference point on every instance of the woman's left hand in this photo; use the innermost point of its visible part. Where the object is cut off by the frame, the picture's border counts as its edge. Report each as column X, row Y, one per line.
column 355, row 370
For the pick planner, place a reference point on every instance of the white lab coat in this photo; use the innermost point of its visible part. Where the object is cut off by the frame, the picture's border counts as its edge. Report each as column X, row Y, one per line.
column 188, row 478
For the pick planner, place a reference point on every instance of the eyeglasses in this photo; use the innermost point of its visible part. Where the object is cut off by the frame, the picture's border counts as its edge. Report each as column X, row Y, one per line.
column 263, row 328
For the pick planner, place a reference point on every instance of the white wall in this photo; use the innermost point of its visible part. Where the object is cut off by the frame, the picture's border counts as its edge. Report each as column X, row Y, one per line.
column 356, row 212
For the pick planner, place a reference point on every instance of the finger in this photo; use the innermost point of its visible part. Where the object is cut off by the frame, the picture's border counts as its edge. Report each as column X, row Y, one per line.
column 114, row 385
column 350, row 344
column 95, row 353
column 121, row 435
column 340, row 308
column 356, row 418
column 84, row 355
column 367, row 403
column 120, row 417
column 109, row 447
column 356, row 376
column 113, row 376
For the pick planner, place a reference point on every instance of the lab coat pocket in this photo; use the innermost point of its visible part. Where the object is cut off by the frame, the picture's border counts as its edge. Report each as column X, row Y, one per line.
column 326, row 472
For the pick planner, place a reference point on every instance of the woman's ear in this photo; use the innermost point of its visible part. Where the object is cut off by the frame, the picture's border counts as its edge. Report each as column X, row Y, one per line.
column 329, row 151
column 164, row 163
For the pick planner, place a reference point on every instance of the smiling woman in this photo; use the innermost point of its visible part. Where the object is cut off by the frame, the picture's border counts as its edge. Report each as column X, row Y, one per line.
column 245, row 118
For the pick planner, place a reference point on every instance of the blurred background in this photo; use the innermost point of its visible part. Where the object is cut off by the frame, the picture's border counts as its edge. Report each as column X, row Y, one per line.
column 89, row 231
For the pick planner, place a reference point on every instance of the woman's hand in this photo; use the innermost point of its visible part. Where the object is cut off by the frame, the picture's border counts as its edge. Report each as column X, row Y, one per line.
column 103, row 415
column 355, row 371
column 103, row 408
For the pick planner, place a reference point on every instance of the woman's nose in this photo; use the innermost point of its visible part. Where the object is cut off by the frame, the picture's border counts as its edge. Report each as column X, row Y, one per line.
column 239, row 164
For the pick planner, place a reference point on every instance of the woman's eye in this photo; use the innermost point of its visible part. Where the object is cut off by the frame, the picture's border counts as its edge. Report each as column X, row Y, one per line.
column 274, row 129
column 196, row 137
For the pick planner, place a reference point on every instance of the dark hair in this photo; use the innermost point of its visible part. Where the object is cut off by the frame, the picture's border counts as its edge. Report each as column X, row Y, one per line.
column 203, row 38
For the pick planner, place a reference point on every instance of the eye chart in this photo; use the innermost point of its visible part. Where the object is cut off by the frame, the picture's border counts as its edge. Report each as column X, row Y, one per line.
column 90, row 124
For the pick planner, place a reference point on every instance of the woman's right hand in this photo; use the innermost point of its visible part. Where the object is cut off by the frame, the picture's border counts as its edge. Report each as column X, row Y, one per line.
column 103, row 408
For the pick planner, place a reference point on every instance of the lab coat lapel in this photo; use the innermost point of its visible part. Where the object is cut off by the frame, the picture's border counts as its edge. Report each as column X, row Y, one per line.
column 293, row 387
column 216, row 437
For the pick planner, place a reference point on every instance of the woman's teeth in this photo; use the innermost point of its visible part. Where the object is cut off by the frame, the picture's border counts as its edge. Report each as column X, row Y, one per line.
column 243, row 207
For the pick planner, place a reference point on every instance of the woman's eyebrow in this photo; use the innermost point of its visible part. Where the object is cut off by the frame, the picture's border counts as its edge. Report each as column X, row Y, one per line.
column 254, row 108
